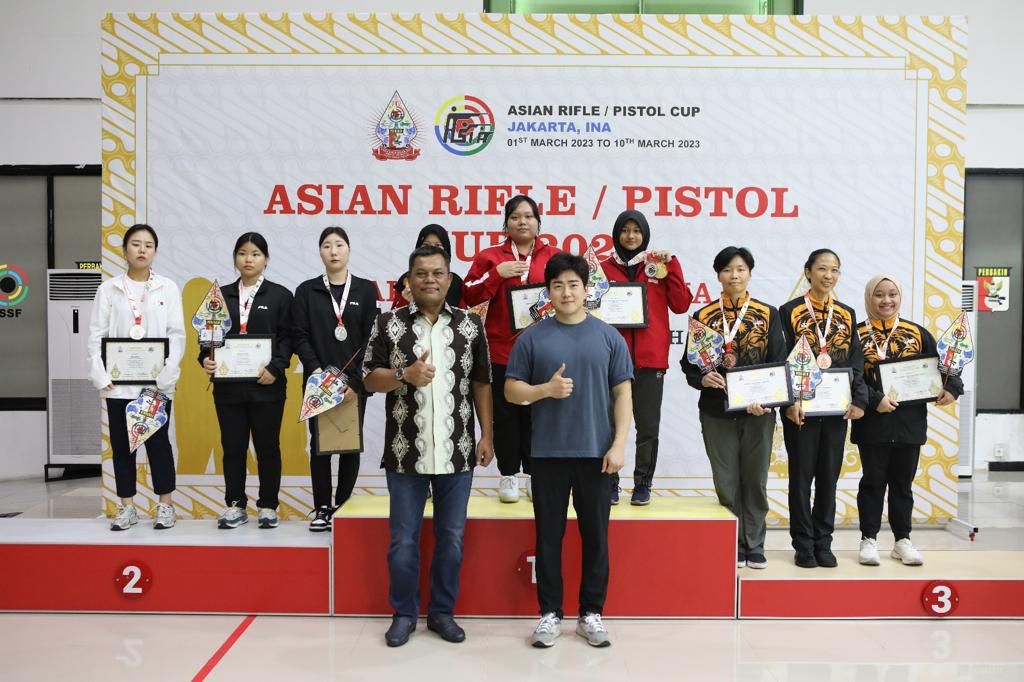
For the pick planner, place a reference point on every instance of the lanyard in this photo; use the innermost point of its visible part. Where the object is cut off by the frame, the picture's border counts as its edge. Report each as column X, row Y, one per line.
column 730, row 334
column 529, row 257
column 822, row 338
column 339, row 308
column 243, row 310
column 883, row 349
column 136, row 312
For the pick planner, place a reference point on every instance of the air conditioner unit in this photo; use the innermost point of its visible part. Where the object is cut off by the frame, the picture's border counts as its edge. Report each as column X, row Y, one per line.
column 968, row 401
column 73, row 407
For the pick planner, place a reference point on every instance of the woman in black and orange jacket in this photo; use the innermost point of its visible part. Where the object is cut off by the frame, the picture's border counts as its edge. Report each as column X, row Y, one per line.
column 890, row 435
column 739, row 444
column 520, row 260
column 648, row 348
column 815, row 444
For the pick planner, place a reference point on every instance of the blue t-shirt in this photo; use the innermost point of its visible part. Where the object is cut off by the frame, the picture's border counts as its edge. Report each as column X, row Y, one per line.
column 596, row 359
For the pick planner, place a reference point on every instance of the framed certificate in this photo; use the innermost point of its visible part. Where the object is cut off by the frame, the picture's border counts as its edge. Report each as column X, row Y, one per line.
column 834, row 394
column 521, row 299
column 242, row 358
column 624, row 305
column 128, row 361
column 910, row 381
column 767, row 385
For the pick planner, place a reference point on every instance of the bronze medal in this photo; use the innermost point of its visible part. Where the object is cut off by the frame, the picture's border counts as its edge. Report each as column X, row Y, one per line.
column 729, row 360
column 824, row 360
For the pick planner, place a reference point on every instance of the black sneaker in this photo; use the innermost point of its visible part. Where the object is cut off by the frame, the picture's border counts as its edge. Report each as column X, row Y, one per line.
column 825, row 558
column 321, row 520
column 805, row 559
column 641, row 496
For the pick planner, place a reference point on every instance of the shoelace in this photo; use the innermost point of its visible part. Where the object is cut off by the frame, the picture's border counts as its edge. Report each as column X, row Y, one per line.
column 593, row 622
column 548, row 623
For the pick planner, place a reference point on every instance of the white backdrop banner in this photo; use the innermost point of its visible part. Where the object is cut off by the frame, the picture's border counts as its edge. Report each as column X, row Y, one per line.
column 782, row 135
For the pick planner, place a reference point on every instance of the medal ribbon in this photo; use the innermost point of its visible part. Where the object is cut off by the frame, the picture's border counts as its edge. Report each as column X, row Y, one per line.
column 635, row 260
column 136, row 313
column 243, row 310
column 728, row 333
column 822, row 338
column 883, row 349
column 339, row 308
column 529, row 258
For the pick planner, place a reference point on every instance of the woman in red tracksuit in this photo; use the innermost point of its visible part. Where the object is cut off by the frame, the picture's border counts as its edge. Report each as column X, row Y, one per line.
column 520, row 260
column 666, row 290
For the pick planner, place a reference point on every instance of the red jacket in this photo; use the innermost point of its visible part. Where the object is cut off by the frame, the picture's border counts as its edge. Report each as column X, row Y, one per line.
column 483, row 283
column 649, row 347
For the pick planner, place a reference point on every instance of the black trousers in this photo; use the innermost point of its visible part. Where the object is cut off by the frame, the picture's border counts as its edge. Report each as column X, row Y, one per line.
column 512, row 428
column 553, row 480
column 648, row 388
column 261, row 420
column 320, row 468
column 893, row 466
column 815, row 454
column 158, row 451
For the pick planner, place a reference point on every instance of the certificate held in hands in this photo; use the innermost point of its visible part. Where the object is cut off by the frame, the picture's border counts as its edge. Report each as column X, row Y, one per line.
column 833, row 396
column 910, row 381
column 131, row 362
column 243, row 358
column 765, row 385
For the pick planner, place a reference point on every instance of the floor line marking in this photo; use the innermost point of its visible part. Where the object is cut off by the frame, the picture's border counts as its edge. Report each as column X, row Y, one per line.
column 219, row 654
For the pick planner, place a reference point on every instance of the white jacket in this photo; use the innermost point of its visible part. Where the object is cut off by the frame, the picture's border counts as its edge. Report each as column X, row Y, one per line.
column 112, row 318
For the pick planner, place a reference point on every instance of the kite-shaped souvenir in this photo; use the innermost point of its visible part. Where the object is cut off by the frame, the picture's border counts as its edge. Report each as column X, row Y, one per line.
column 956, row 347
column 803, row 370
column 324, row 389
column 145, row 415
column 212, row 321
column 597, row 281
column 704, row 346
column 542, row 308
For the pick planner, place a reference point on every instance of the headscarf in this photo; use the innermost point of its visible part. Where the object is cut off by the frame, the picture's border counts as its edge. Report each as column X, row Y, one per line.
column 869, row 294
column 626, row 255
column 442, row 234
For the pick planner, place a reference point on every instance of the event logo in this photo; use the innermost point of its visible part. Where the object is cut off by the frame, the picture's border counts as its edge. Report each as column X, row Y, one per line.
column 464, row 125
column 13, row 285
column 395, row 131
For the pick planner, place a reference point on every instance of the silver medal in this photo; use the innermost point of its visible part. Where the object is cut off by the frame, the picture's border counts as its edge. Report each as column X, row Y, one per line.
column 137, row 332
column 340, row 332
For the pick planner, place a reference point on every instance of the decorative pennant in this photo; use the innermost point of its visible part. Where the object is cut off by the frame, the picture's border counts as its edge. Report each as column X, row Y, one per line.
column 956, row 347
column 803, row 370
column 597, row 281
column 543, row 307
column 704, row 346
column 324, row 389
column 212, row 320
column 145, row 415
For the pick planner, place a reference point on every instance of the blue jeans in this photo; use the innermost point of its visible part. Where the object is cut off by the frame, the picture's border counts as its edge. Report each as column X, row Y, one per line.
column 408, row 499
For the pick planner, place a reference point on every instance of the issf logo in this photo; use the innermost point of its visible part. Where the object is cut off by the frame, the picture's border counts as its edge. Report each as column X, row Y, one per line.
column 464, row 125
column 13, row 285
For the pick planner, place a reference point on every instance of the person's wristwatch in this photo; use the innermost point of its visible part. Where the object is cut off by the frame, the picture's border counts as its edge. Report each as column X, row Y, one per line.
column 400, row 374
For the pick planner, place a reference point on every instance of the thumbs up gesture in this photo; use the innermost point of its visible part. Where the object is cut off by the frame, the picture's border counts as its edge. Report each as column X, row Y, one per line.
column 560, row 386
column 420, row 373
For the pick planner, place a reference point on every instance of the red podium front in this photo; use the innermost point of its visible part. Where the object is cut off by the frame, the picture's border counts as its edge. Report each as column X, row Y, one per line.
column 675, row 558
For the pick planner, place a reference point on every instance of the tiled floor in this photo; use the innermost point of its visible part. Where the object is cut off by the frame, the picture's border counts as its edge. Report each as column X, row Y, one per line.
column 130, row 647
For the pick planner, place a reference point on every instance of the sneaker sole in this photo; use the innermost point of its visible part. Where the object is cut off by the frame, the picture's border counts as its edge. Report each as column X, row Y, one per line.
column 869, row 562
column 537, row 644
column 639, row 504
column 268, row 524
column 319, row 530
column 898, row 558
column 596, row 645
column 119, row 528
column 224, row 525
column 160, row 526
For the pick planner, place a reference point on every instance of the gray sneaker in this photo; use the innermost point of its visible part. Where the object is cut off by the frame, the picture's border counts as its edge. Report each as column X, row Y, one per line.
column 268, row 518
column 125, row 518
column 591, row 628
column 233, row 517
column 547, row 631
column 165, row 517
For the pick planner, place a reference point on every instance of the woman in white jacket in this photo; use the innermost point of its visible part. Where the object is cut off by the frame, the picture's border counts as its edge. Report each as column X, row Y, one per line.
column 139, row 304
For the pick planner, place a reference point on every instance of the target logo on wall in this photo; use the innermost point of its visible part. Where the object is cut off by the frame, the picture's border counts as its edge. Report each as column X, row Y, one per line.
column 13, row 285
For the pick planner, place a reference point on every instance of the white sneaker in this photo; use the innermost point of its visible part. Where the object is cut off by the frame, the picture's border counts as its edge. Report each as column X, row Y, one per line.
column 528, row 486
column 547, row 631
column 233, row 517
column 267, row 518
column 165, row 517
column 508, row 489
column 591, row 628
column 905, row 552
column 868, row 554
column 125, row 518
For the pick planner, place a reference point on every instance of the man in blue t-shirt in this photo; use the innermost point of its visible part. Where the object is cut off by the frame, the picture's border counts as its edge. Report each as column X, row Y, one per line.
column 574, row 370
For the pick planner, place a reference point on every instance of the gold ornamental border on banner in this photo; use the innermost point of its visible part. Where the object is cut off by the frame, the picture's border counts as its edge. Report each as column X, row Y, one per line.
column 932, row 50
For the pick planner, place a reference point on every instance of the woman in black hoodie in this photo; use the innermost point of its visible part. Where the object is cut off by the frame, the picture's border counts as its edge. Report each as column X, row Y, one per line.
column 332, row 317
